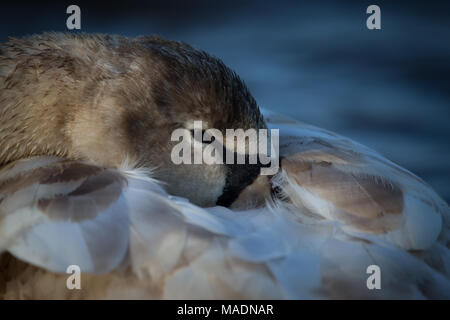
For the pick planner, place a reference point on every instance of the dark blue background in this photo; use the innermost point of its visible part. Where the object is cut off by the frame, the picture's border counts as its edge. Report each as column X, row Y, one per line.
column 314, row 60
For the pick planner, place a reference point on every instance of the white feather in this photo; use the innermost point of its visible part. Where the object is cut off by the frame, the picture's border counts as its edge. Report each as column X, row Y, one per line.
column 302, row 249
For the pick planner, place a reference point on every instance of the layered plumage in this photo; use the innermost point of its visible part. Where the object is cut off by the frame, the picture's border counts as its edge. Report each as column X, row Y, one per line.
column 339, row 208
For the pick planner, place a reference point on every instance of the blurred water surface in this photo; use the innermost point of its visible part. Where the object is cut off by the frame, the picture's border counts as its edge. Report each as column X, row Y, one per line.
column 315, row 61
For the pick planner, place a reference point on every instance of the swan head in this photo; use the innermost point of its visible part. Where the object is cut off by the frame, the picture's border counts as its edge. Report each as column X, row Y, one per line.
column 195, row 95
column 173, row 90
column 106, row 99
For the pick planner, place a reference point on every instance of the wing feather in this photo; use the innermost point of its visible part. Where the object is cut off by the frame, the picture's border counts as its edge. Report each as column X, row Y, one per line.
column 348, row 208
column 335, row 178
column 63, row 212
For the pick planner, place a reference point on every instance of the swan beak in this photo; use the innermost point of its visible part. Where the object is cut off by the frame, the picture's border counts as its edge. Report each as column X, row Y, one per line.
column 254, row 195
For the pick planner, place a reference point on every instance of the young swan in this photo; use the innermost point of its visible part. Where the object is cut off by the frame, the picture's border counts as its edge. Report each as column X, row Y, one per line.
column 106, row 99
column 348, row 211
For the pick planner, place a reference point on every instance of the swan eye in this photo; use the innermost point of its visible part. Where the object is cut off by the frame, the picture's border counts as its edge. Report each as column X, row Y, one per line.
column 202, row 137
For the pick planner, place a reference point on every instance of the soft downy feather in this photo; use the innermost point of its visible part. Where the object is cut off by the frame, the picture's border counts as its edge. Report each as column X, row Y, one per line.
column 133, row 240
